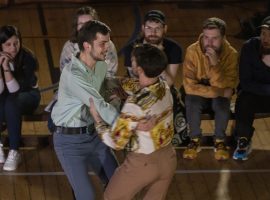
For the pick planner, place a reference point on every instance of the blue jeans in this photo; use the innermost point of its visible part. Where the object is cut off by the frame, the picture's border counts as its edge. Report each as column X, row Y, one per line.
column 195, row 105
column 12, row 107
column 77, row 154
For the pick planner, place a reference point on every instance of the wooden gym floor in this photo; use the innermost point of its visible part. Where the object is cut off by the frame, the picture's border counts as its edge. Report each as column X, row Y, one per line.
column 46, row 26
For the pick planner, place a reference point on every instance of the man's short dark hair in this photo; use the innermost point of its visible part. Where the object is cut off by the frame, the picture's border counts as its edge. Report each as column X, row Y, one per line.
column 215, row 23
column 89, row 32
column 152, row 60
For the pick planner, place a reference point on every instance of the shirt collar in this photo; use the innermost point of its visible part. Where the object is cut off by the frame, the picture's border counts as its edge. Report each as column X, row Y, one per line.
column 82, row 66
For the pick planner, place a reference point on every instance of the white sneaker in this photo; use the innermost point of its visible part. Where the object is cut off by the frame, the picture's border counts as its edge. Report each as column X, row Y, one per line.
column 2, row 154
column 12, row 160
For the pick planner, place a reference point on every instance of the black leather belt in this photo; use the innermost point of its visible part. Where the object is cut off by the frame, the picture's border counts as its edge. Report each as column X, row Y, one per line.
column 76, row 130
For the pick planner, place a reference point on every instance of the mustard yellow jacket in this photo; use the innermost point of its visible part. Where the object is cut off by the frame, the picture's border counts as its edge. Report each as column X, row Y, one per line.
column 196, row 68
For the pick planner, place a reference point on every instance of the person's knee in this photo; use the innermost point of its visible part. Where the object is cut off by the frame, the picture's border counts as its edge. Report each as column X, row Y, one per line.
column 28, row 101
column 221, row 105
column 11, row 100
column 244, row 101
column 193, row 102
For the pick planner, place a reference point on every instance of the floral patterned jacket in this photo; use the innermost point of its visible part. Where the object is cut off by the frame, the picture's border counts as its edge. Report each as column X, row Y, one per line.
column 155, row 100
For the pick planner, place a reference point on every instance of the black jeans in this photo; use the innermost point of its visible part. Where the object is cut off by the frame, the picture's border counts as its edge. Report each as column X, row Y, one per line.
column 12, row 107
column 247, row 104
column 195, row 105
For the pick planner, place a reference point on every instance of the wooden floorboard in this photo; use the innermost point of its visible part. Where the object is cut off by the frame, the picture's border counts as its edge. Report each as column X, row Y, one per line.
column 199, row 179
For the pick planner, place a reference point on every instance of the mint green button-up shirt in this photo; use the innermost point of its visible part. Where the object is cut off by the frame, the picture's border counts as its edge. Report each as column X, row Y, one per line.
column 77, row 84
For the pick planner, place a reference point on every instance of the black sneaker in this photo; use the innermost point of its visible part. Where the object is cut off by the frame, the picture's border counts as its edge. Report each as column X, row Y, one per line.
column 243, row 149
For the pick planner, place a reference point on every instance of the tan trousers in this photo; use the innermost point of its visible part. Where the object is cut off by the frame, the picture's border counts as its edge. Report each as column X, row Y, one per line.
column 152, row 172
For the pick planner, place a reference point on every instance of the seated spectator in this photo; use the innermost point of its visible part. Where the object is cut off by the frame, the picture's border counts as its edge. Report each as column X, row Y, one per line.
column 151, row 160
column 153, row 31
column 210, row 76
column 254, row 88
column 83, row 15
column 19, row 92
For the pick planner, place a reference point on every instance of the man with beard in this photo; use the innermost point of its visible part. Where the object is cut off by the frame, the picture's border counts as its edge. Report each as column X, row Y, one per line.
column 76, row 142
column 209, row 79
column 254, row 88
column 153, row 32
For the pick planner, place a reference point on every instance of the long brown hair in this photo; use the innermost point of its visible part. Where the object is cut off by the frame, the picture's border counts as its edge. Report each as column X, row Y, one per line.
column 86, row 10
column 7, row 32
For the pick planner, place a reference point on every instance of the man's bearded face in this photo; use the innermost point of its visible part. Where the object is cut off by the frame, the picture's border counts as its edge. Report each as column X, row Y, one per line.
column 153, row 32
column 265, row 41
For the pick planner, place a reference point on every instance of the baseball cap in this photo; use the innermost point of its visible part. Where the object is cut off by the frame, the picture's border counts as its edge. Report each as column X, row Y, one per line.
column 155, row 15
column 266, row 23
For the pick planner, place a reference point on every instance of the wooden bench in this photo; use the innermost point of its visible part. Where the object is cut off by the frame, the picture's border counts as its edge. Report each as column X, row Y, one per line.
column 210, row 116
column 32, row 140
column 208, row 139
column 39, row 115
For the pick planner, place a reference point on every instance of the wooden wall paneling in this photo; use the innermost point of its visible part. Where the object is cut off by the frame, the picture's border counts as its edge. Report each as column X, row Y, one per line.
column 3, row 3
column 58, row 20
column 56, row 49
column 43, row 72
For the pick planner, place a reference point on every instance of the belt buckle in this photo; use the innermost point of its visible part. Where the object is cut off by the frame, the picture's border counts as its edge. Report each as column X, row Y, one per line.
column 81, row 130
column 58, row 129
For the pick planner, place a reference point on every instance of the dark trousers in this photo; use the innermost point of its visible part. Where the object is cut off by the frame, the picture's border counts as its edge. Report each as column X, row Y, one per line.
column 12, row 107
column 195, row 105
column 247, row 104
column 77, row 154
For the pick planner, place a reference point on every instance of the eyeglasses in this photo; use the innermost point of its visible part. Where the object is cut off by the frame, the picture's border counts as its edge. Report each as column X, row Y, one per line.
column 155, row 30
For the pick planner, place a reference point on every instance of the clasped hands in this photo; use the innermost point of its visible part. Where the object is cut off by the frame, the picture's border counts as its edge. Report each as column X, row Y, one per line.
column 145, row 124
column 5, row 59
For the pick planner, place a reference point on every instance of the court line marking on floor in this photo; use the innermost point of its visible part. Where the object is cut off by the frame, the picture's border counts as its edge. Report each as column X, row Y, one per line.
column 209, row 171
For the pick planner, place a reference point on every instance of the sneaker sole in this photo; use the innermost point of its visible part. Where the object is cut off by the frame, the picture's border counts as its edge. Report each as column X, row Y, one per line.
column 222, row 158
column 11, row 169
column 245, row 158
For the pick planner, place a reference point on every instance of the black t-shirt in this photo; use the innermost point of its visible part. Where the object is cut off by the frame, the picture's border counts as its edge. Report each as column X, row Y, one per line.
column 171, row 48
column 25, row 66
column 254, row 75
